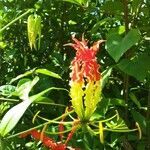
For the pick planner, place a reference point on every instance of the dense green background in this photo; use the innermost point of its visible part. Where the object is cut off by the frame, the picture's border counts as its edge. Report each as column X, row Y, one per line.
column 124, row 24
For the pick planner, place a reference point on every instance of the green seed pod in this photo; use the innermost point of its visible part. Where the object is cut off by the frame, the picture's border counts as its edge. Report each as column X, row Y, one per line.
column 38, row 29
column 30, row 29
column 34, row 30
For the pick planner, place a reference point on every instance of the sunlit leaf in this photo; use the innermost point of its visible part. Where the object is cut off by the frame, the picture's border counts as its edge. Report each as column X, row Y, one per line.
column 24, row 87
column 117, row 46
column 3, row 107
column 41, row 71
column 7, row 90
column 78, row 2
column 12, row 117
column 44, row 99
column 47, row 72
column 36, row 97
column 105, row 76
column 22, row 75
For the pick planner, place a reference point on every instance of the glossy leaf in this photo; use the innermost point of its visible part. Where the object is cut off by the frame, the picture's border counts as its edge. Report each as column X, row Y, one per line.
column 12, row 117
column 134, row 99
column 24, row 87
column 47, row 72
column 36, row 97
column 137, row 67
column 102, row 107
column 22, row 75
column 132, row 37
column 41, row 71
column 113, row 44
column 118, row 102
column 117, row 46
column 105, row 76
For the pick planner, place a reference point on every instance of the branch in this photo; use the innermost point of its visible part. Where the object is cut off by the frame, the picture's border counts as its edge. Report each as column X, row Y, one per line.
column 16, row 19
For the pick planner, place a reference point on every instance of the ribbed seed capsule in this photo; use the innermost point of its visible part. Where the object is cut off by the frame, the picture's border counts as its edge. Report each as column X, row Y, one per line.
column 34, row 30
column 38, row 29
column 30, row 26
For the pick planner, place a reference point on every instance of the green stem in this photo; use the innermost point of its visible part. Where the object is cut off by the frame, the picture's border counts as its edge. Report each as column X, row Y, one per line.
column 55, row 133
column 41, row 125
column 57, row 122
column 42, row 103
column 111, row 130
column 53, row 104
column 16, row 19
column 9, row 100
column 120, row 130
column 108, row 119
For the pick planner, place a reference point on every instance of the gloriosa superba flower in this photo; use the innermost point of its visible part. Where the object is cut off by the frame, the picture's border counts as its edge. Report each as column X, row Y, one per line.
column 85, row 81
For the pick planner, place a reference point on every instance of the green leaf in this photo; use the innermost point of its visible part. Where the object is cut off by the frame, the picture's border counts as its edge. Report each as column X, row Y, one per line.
column 7, row 90
column 121, row 29
column 24, row 87
column 71, row 22
column 112, row 7
column 135, row 6
column 99, row 24
column 22, row 75
column 118, row 102
column 117, row 46
column 12, row 117
column 141, row 145
column 78, row 2
column 113, row 44
column 130, row 39
column 35, row 98
column 101, row 108
column 105, row 76
column 137, row 67
column 44, row 99
column 134, row 99
column 41, row 71
column 47, row 72
column 140, row 119
column 117, row 124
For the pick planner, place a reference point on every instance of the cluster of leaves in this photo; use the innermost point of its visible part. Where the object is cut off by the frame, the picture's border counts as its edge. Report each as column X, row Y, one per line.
column 124, row 62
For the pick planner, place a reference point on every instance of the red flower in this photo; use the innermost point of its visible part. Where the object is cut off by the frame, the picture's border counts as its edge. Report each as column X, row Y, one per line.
column 48, row 142
column 85, row 65
column 85, row 82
